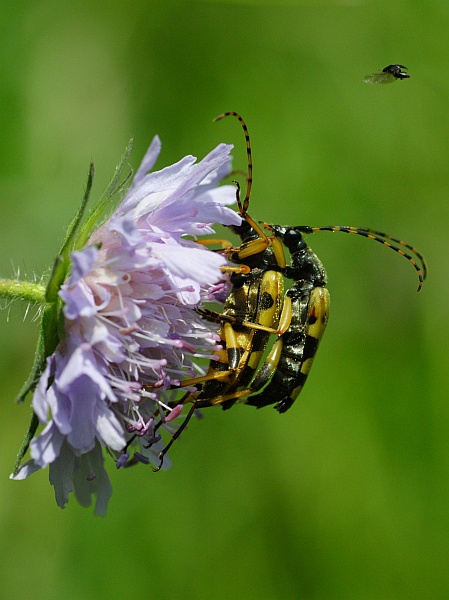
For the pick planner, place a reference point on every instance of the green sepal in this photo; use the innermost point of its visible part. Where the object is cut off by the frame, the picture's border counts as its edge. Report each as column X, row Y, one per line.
column 34, row 423
column 99, row 209
column 50, row 331
column 49, row 337
column 61, row 266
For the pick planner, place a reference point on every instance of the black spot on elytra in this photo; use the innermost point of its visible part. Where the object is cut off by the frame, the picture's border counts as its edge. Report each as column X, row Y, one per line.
column 266, row 301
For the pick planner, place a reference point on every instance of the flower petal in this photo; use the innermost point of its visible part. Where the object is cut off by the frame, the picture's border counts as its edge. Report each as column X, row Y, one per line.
column 130, row 325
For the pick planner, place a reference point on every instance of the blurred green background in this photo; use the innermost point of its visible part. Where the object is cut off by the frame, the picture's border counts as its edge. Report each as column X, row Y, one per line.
column 347, row 495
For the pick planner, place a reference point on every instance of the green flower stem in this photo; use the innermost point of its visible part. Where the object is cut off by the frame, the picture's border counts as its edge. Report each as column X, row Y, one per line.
column 14, row 289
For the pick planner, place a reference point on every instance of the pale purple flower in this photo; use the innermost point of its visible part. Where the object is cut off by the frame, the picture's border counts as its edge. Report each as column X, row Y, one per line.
column 129, row 322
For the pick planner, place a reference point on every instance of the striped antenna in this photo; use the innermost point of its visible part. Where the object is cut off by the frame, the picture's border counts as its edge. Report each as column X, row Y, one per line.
column 383, row 238
column 243, row 206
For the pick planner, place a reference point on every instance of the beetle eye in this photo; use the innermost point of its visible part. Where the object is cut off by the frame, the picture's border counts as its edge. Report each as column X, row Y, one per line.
column 292, row 238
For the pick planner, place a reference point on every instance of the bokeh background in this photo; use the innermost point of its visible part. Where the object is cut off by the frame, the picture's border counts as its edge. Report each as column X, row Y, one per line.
column 347, row 495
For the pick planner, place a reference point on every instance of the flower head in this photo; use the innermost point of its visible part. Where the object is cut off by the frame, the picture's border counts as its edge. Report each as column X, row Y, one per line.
column 130, row 328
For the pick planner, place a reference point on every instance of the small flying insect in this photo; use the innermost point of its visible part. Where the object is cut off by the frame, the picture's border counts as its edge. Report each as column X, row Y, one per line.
column 387, row 75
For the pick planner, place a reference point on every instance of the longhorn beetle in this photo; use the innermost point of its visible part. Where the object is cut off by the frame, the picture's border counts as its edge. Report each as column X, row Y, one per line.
column 246, row 324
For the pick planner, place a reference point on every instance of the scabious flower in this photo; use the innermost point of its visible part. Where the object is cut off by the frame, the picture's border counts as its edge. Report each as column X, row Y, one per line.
column 130, row 331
